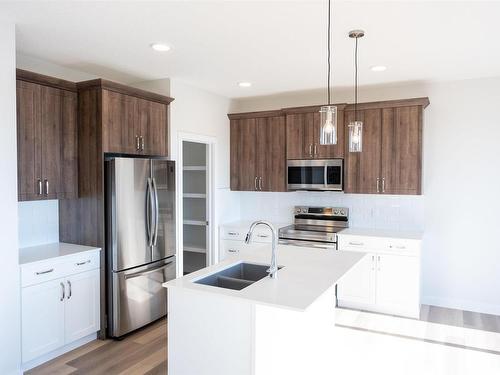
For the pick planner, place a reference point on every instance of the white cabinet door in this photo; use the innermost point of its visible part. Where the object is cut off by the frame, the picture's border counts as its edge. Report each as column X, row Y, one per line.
column 42, row 318
column 82, row 305
column 398, row 284
column 358, row 285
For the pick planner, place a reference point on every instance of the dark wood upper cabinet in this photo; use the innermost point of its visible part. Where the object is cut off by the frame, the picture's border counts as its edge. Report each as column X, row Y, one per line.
column 46, row 136
column 391, row 158
column 257, row 152
column 303, row 134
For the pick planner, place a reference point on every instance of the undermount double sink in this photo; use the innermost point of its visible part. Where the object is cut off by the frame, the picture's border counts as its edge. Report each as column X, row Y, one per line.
column 236, row 277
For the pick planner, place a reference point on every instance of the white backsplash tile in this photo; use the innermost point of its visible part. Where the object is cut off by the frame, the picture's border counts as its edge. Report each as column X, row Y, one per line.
column 372, row 211
column 38, row 222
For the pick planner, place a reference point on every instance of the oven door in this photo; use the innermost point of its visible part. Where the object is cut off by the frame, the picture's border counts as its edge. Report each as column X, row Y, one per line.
column 325, row 174
column 316, row 245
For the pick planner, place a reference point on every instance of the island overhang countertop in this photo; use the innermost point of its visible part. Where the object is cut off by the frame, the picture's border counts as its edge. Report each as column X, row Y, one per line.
column 307, row 273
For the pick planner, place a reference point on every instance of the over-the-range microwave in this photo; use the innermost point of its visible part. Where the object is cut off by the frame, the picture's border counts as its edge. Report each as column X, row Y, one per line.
column 318, row 174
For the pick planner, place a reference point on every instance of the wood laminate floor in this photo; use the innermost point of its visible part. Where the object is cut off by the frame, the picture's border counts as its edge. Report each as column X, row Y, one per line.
column 141, row 353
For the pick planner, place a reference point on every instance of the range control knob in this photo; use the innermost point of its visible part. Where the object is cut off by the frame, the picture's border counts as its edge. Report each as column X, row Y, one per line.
column 335, row 212
column 342, row 212
column 297, row 210
column 304, row 210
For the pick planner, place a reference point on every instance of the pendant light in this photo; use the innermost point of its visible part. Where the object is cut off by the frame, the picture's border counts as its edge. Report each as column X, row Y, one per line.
column 356, row 126
column 328, row 113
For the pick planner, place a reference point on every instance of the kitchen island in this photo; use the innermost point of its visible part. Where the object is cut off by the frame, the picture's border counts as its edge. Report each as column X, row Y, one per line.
column 272, row 326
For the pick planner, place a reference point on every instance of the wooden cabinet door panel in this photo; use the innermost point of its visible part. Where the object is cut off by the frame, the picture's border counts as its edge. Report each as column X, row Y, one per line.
column 151, row 124
column 330, row 151
column 51, row 131
column 82, row 305
column 270, row 155
column 310, row 142
column 68, row 185
column 243, row 153
column 28, row 133
column 401, row 150
column 118, row 115
column 363, row 168
column 295, row 136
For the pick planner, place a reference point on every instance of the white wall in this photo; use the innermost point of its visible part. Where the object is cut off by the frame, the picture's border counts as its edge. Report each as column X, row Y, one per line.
column 38, row 223
column 10, row 353
column 460, row 206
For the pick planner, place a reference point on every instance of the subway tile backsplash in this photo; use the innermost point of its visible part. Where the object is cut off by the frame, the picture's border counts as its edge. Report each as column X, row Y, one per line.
column 38, row 222
column 373, row 211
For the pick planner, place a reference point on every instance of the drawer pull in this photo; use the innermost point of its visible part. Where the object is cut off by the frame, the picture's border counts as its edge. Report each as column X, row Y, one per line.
column 232, row 250
column 44, row 272
column 82, row 263
column 400, row 247
column 233, row 233
column 263, row 235
column 356, row 243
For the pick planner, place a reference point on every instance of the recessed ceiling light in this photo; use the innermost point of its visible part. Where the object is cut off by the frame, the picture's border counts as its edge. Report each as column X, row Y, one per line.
column 160, row 47
column 244, row 84
column 378, row 68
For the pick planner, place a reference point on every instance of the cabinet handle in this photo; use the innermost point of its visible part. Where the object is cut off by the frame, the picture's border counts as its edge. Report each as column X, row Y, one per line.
column 142, row 143
column 233, row 233
column 378, row 185
column 310, row 150
column 378, row 262
column 315, row 149
column 263, row 235
column 356, row 243
column 69, row 287
column 44, row 272
column 46, row 187
column 40, row 189
column 373, row 262
column 82, row 263
column 63, row 291
column 137, row 144
column 260, row 183
column 255, row 183
column 383, row 184
column 232, row 250
column 399, row 247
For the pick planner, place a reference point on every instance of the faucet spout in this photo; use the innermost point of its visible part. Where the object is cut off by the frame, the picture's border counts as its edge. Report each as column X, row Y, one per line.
column 273, row 269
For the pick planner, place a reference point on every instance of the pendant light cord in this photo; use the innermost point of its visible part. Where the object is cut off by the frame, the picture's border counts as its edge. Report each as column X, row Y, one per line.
column 356, row 80
column 329, row 6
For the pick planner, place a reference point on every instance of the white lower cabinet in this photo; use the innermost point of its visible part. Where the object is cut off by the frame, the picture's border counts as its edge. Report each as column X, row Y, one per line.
column 42, row 319
column 386, row 280
column 58, row 312
column 81, row 310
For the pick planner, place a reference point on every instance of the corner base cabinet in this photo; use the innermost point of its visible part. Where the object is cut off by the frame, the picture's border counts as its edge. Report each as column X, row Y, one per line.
column 386, row 280
column 59, row 303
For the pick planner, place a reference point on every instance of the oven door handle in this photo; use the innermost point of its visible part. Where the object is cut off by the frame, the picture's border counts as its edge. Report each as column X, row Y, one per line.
column 326, row 175
column 299, row 243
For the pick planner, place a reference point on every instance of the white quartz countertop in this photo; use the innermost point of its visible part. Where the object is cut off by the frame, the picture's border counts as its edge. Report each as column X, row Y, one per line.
column 306, row 274
column 387, row 233
column 53, row 250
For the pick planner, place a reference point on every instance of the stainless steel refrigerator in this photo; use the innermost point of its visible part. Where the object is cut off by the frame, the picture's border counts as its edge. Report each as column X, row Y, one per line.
column 140, row 230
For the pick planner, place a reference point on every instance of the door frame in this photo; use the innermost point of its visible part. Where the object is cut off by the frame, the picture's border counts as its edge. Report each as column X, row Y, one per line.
column 211, row 143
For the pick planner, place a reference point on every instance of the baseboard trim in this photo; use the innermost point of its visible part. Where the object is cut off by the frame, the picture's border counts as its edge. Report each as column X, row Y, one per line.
column 464, row 305
column 56, row 353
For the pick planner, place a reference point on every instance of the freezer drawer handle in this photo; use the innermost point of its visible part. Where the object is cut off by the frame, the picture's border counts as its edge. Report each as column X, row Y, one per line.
column 143, row 273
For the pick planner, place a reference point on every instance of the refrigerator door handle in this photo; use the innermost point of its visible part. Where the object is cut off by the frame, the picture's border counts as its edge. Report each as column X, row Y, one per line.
column 157, row 213
column 147, row 272
column 149, row 212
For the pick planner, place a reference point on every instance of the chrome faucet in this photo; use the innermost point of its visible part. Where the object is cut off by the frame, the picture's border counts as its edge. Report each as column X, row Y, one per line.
column 273, row 269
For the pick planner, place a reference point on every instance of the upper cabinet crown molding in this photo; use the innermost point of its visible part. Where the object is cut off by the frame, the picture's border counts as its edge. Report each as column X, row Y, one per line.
column 123, row 89
column 250, row 115
column 57, row 83
column 310, row 108
column 423, row 102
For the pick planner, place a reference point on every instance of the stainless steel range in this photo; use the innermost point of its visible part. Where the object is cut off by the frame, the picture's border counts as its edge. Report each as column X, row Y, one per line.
column 315, row 227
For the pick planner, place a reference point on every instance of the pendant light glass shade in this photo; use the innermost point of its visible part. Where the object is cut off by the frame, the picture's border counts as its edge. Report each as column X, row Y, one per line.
column 328, row 122
column 356, row 136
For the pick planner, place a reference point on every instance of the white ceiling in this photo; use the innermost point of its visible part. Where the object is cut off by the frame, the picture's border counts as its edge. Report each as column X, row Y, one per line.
column 277, row 45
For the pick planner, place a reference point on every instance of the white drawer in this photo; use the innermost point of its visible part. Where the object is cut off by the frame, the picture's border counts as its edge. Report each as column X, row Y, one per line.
column 358, row 243
column 55, row 268
column 83, row 262
column 399, row 246
column 261, row 234
column 42, row 271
